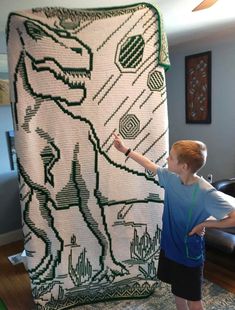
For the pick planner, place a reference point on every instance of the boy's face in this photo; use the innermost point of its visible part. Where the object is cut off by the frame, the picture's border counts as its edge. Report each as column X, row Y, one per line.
column 173, row 164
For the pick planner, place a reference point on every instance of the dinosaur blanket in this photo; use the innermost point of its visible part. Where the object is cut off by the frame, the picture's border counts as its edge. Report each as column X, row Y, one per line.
column 91, row 217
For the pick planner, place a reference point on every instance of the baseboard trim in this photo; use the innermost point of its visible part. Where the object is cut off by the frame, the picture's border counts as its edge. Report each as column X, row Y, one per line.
column 11, row 236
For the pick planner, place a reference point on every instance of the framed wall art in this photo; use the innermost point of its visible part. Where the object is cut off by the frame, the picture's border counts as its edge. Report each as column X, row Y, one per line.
column 198, row 88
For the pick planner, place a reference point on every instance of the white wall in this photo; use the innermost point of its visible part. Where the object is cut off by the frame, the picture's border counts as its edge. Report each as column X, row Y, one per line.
column 3, row 47
column 5, row 119
column 6, row 124
column 220, row 134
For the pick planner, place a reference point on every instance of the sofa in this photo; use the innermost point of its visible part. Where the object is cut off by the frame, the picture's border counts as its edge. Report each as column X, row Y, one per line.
column 222, row 241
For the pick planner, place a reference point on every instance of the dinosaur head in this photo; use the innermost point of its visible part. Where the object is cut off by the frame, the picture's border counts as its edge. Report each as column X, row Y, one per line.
column 54, row 64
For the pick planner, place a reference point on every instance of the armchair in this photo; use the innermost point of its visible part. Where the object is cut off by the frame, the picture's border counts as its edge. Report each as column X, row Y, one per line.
column 222, row 239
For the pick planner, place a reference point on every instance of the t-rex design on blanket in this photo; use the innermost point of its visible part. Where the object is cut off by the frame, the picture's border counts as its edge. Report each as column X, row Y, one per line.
column 53, row 70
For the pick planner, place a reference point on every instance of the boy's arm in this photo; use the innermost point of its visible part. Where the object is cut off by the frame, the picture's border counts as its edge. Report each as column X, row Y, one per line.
column 228, row 221
column 139, row 158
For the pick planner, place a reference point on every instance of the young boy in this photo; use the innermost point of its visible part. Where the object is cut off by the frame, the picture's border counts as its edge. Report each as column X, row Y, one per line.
column 189, row 202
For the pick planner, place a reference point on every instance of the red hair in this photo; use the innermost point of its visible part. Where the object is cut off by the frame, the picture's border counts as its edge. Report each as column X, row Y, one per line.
column 191, row 152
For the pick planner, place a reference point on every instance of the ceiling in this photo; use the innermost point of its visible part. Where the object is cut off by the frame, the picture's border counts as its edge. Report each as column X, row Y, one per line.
column 181, row 24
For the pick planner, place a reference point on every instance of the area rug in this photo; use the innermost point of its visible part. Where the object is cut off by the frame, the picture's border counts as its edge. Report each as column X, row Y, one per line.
column 91, row 217
column 214, row 298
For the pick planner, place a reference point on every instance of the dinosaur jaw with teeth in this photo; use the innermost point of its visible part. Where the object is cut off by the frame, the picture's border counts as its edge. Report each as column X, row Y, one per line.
column 73, row 77
column 59, row 83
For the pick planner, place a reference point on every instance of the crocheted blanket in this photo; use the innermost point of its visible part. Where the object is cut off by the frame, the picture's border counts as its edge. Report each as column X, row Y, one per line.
column 91, row 217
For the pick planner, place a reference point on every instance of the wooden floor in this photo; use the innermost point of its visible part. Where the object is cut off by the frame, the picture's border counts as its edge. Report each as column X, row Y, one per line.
column 214, row 272
column 15, row 288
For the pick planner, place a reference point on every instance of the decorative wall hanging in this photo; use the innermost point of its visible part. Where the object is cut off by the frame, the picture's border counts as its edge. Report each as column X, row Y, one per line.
column 92, row 217
column 198, row 88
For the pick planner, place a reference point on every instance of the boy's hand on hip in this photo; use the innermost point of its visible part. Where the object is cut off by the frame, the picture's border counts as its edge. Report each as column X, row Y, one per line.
column 198, row 230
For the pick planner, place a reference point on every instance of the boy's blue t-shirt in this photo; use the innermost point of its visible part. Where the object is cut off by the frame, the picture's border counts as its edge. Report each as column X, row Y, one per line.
column 177, row 203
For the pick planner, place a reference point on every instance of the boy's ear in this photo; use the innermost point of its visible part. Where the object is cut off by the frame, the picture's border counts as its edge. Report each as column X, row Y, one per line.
column 185, row 166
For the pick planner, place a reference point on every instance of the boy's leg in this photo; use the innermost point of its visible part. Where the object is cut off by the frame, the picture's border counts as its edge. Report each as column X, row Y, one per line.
column 164, row 272
column 181, row 304
column 195, row 305
column 185, row 282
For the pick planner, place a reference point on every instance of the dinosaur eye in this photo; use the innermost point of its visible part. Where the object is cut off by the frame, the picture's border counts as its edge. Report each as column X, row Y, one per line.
column 62, row 33
column 35, row 31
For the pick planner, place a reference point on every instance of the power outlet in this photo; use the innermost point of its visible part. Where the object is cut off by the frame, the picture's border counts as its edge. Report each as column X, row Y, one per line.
column 209, row 178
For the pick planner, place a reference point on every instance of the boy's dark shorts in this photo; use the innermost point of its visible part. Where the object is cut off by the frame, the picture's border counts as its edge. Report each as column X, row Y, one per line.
column 186, row 282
